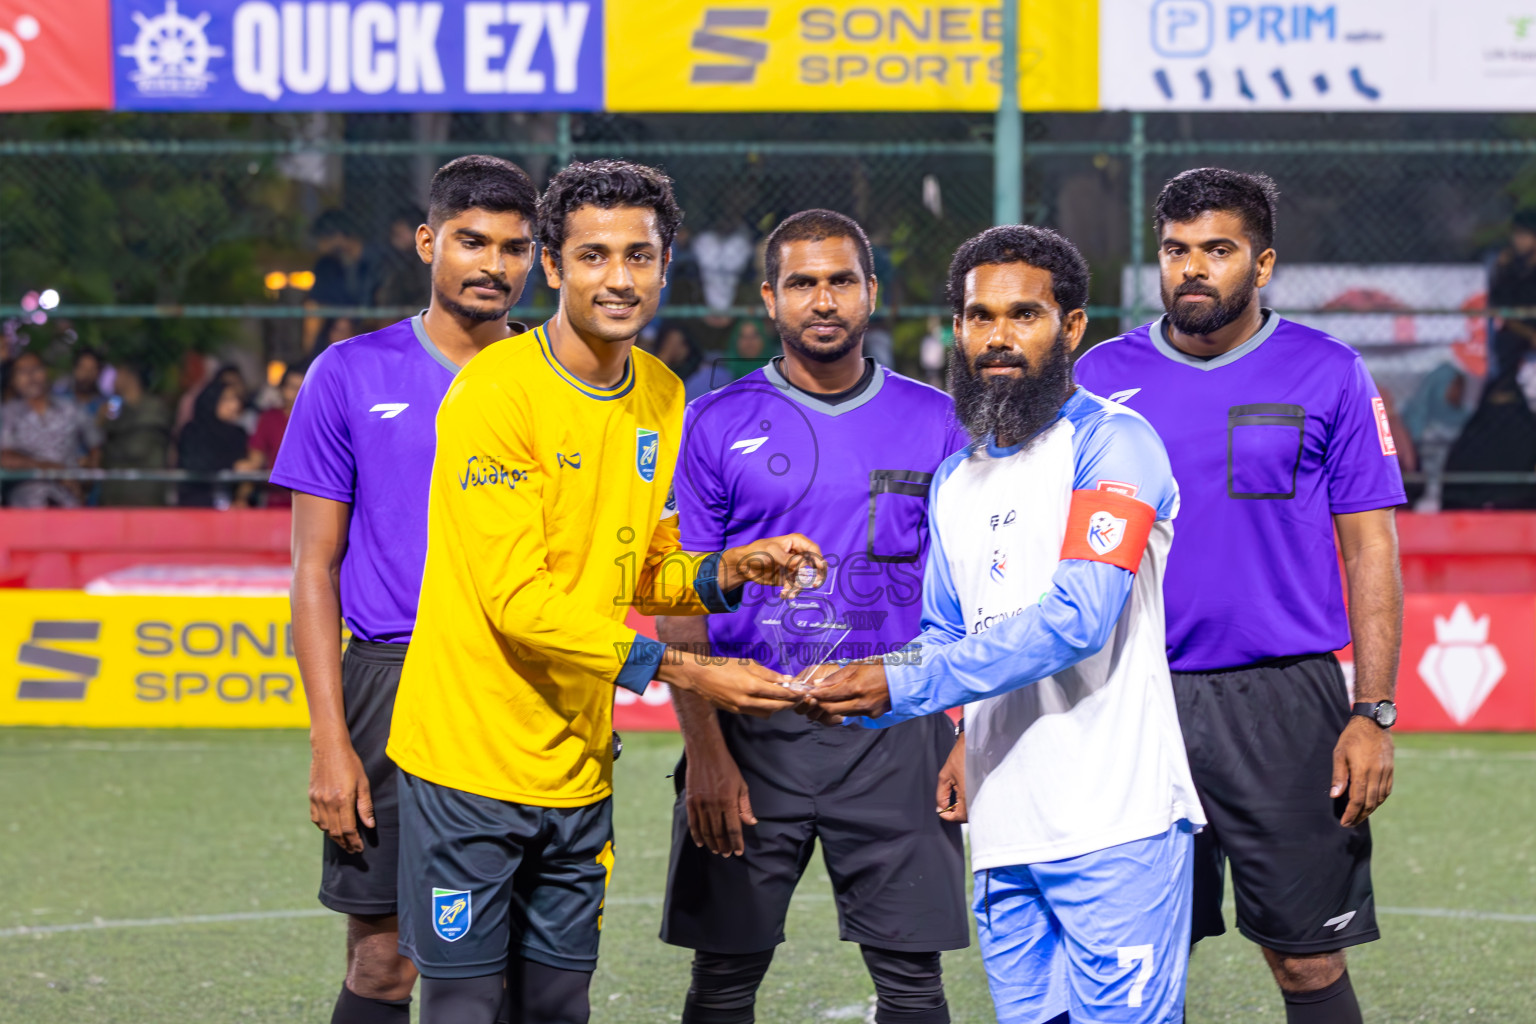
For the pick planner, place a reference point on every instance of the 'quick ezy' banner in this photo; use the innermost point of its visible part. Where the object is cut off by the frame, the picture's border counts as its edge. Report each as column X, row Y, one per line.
column 367, row 55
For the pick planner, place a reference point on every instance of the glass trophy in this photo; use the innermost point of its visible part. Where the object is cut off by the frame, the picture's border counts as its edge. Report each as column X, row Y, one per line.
column 805, row 630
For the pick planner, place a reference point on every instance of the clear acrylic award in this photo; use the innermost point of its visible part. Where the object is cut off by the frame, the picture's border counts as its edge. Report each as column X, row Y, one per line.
column 805, row 628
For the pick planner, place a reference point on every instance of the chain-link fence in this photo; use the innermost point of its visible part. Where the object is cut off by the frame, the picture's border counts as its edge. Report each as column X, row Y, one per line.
column 175, row 234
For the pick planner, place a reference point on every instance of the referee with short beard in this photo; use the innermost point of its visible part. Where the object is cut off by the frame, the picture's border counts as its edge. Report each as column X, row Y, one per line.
column 1278, row 438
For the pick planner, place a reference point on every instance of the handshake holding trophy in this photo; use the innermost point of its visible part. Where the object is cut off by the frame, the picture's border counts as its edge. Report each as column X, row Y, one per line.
column 808, row 630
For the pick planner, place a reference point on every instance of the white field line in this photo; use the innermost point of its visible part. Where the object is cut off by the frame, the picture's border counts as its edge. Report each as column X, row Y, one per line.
column 1473, row 915
column 100, row 924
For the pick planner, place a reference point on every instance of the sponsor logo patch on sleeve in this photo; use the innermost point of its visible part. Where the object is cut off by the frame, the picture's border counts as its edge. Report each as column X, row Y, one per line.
column 1117, row 487
column 1383, row 427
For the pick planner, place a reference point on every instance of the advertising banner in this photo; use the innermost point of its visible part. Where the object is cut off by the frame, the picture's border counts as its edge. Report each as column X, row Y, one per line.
column 1468, row 663
column 344, row 55
column 73, row 659
column 77, row 659
column 67, row 658
column 1317, row 55
column 55, row 56
column 708, row 55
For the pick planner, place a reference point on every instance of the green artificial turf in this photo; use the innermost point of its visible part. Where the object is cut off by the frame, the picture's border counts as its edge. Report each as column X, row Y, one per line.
column 123, row 826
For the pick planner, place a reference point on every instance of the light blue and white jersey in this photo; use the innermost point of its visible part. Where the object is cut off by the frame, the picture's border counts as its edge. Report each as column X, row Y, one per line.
column 1043, row 616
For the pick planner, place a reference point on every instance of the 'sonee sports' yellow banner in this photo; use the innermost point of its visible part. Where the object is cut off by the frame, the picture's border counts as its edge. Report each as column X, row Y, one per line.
column 704, row 55
column 70, row 658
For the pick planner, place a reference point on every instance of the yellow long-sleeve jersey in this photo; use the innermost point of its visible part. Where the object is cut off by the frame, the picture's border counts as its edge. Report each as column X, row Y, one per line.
column 547, row 520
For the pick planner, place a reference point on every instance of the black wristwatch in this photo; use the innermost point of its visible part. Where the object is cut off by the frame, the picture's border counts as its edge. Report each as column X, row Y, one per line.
column 1382, row 712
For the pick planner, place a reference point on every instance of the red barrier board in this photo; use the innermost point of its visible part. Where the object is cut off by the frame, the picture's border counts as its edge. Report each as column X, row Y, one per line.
column 1452, row 552
column 1468, row 663
column 1468, row 552
column 64, row 549
column 1471, row 669
column 649, row 713
column 55, row 56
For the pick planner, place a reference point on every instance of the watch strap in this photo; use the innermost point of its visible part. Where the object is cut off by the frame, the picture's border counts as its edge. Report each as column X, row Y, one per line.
column 1369, row 709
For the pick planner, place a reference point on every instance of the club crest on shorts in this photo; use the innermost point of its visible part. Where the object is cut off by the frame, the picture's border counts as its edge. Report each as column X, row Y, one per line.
column 1105, row 532
column 451, row 913
column 647, row 447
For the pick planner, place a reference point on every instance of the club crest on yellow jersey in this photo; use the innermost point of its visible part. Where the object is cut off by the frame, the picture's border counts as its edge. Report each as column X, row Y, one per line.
column 647, row 448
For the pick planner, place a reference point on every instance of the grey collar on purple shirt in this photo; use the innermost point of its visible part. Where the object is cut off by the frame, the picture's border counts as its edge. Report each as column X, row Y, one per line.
column 437, row 353
column 810, row 401
column 1160, row 341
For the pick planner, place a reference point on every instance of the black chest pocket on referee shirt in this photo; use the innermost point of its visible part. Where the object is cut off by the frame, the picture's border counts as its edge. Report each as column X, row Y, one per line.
column 898, row 506
column 1264, row 446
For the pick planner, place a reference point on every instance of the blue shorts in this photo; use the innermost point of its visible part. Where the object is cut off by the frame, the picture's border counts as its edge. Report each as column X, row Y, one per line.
column 1103, row 937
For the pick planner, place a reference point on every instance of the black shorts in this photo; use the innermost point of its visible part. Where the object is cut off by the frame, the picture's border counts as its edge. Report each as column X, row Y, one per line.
column 364, row 883
column 897, row 869
column 482, row 879
column 1260, row 742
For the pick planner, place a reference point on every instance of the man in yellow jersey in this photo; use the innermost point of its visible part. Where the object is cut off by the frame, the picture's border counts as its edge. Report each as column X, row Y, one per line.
column 548, row 518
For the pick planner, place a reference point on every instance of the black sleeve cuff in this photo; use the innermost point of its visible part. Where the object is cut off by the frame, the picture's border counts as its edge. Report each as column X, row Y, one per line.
column 706, row 582
column 640, row 667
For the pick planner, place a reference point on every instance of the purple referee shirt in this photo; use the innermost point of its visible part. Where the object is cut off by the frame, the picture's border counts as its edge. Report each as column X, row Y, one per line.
column 1268, row 442
column 363, row 431
column 762, row 458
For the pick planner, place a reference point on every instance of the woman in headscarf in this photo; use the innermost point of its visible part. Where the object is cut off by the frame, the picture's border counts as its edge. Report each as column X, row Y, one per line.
column 749, row 348
column 1500, row 437
column 214, row 440
column 1434, row 413
column 746, row 349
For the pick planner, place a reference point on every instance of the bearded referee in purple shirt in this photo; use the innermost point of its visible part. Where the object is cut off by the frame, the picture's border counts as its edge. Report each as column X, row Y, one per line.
column 358, row 455
column 1279, row 440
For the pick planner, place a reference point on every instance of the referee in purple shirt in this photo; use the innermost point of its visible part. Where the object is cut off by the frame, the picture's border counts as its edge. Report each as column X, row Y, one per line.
column 1278, row 439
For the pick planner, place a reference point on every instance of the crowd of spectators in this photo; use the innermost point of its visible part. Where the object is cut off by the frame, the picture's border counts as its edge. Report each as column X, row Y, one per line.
column 112, row 417
column 350, row 271
column 1498, row 436
column 1454, row 424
